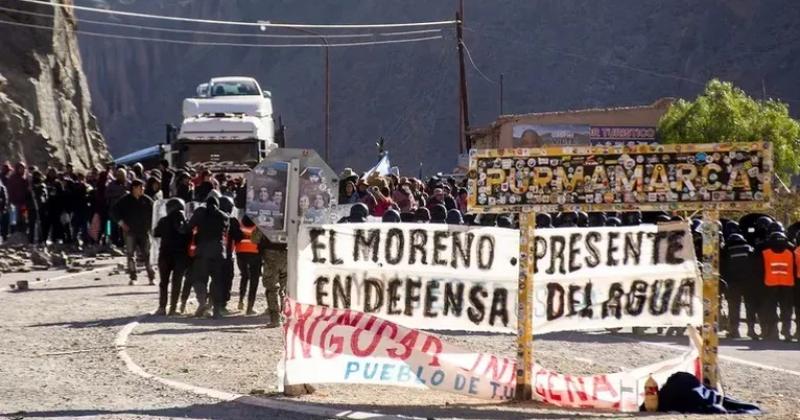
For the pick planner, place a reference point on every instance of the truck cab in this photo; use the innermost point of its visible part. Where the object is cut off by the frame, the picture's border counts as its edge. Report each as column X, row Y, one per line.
column 229, row 120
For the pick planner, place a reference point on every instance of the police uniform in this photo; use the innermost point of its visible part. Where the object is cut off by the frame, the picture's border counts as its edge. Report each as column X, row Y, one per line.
column 737, row 264
column 275, row 262
column 212, row 227
column 779, row 275
column 188, row 277
column 172, row 258
column 248, row 258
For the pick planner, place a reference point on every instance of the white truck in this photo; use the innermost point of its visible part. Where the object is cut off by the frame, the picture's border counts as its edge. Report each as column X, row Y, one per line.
column 227, row 127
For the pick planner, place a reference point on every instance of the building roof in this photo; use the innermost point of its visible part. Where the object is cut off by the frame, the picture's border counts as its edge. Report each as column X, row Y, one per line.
column 659, row 103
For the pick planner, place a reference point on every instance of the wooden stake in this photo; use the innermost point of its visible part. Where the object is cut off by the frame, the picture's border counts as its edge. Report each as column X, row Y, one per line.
column 527, row 225
column 710, row 232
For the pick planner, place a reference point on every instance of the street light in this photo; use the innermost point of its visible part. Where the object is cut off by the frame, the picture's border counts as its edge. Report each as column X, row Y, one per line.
column 326, row 110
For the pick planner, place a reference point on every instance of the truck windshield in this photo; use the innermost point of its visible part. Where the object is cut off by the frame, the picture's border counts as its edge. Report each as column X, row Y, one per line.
column 233, row 88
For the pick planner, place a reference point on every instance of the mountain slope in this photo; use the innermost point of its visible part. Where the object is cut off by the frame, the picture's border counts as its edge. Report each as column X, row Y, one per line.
column 555, row 55
column 45, row 105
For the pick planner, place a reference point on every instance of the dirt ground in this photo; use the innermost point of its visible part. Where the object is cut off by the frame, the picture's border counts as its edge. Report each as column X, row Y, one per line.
column 58, row 360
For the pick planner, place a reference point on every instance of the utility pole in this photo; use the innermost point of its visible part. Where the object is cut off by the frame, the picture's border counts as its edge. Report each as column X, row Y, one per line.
column 463, row 141
column 501, row 93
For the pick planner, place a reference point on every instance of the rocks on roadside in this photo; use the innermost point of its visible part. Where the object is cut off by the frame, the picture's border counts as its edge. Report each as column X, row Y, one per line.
column 298, row 390
column 59, row 259
column 41, row 258
column 20, row 257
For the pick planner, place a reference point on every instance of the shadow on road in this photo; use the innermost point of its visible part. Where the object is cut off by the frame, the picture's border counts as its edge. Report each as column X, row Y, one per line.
column 237, row 410
column 54, row 289
column 489, row 410
column 177, row 331
column 228, row 321
column 222, row 410
column 740, row 343
column 110, row 322
column 132, row 293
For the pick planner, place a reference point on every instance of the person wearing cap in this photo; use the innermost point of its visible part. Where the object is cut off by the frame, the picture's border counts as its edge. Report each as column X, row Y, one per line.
column 115, row 190
column 439, row 214
column 152, row 188
column 362, row 188
column 422, row 215
column 778, row 274
column 173, row 257
column 167, row 176
column 505, row 221
column 543, row 220
column 737, row 269
column 184, row 189
column 233, row 235
column 391, row 216
column 358, row 213
column 348, row 174
column 134, row 216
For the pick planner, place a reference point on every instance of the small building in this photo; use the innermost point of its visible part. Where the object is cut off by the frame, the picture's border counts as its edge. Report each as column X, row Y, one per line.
column 635, row 124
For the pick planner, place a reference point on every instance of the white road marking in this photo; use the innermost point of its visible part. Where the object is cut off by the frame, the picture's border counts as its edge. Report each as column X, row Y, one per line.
column 121, row 343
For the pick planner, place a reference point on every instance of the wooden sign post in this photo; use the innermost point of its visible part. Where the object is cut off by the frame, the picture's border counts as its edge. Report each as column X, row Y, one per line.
column 527, row 225
column 653, row 177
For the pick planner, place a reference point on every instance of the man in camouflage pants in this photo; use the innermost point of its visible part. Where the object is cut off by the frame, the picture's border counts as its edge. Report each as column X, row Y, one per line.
column 274, row 256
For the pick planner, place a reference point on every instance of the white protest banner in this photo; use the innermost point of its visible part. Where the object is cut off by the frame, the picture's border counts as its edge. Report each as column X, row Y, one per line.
column 438, row 276
column 328, row 345
column 637, row 276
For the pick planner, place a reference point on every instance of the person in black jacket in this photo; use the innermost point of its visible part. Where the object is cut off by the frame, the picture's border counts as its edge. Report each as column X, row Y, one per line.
column 212, row 226
column 233, row 235
column 738, row 268
column 134, row 215
column 173, row 257
column 183, row 187
column 37, row 209
column 167, row 175
column 3, row 212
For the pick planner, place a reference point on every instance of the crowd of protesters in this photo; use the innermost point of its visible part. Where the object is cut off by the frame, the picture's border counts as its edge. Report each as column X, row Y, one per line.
column 77, row 208
column 759, row 266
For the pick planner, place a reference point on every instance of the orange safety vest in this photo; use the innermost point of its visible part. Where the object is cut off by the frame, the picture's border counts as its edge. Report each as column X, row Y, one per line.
column 246, row 245
column 778, row 268
column 193, row 244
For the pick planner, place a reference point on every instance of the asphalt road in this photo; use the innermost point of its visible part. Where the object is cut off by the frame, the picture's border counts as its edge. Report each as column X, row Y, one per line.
column 58, row 360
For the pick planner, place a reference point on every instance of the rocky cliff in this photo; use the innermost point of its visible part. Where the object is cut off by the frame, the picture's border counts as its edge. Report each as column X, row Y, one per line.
column 554, row 54
column 45, row 105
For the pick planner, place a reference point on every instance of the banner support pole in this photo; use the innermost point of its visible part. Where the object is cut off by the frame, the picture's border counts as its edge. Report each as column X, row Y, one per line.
column 710, row 232
column 527, row 226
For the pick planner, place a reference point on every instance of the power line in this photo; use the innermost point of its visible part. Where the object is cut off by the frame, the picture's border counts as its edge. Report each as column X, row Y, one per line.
column 469, row 55
column 226, row 44
column 240, row 23
column 236, row 34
